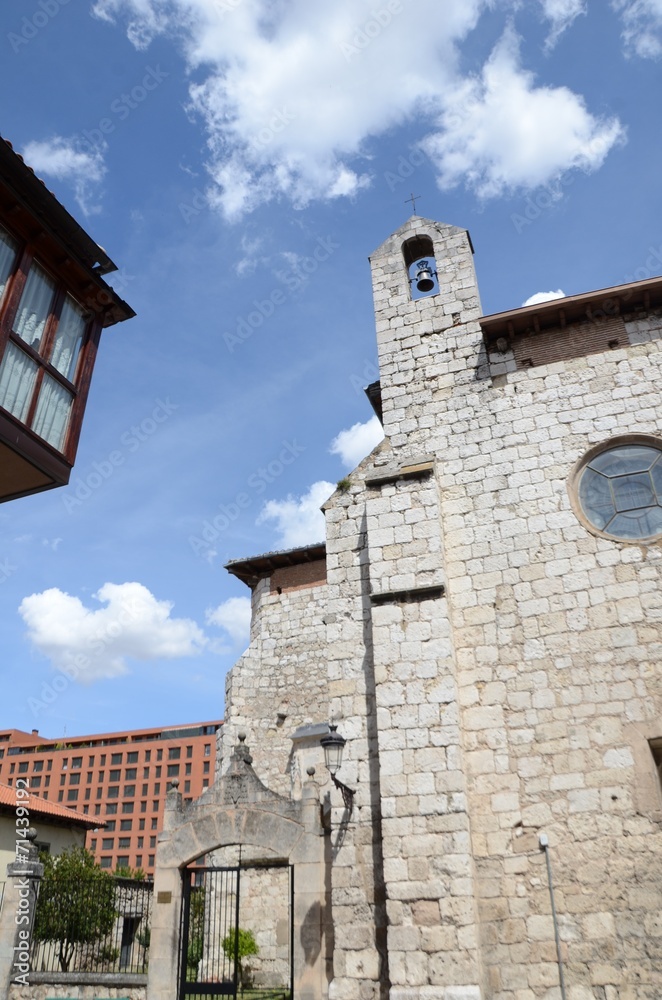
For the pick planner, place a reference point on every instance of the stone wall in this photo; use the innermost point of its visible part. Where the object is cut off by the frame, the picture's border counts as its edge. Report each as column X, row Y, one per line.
column 493, row 663
column 75, row 991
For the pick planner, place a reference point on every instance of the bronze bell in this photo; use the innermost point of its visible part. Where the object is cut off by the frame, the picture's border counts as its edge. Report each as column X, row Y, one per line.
column 424, row 279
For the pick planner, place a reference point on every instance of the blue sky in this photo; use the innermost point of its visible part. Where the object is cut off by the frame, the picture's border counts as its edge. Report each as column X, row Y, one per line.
column 239, row 160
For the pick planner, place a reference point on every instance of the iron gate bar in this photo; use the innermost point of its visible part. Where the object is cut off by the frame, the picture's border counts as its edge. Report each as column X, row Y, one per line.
column 223, row 987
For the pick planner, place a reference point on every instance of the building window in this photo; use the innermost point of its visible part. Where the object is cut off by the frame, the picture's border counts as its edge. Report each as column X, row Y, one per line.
column 110, row 825
column 60, row 796
column 141, row 822
column 155, row 805
column 116, row 758
column 129, row 791
column 140, row 842
column 130, row 773
column 39, row 365
column 155, row 822
column 90, row 762
column 189, row 751
column 126, row 824
column 145, row 772
column 157, row 787
column 617, row 489
column 187, row 786
column 159, row 754
column 23, row 767
column 74, row 779
column 107, row 843
column 111, row 808
column 106, row 862
column 86, row 810
column 49, row 764
column 113, row 791
column 97, row 810
column 157, row 773
column 114, row 775
column 152, row 841
column 139, row 860
column 207, row 749
column 122, row 861
column 99, row 793
column 124, row 842
column 205, row 767
column 151, row 861
column 88, row 792
column 65, row 763
column 187, row 769
column 63, row 778
column 102, row 760
column 47, row 780
column 35, row 782
column 12, row 768
column 173, row 770
column 93, row 844
column 88, row 777
column 72, row 795
column 145, row 789
column 76, row 761
column 127, row 807
column 132, row 757
column 143, row 808
column 148, row 754
column 174, row 753
column 102, row 775
column 38, row 765
column 205, row 782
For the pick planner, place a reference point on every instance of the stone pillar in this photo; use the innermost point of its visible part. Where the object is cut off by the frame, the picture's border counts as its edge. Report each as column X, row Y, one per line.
column 166, row 911
column 17, row 915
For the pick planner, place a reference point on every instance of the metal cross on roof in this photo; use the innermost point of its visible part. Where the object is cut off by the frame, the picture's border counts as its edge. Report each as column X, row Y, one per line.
column 414, row 198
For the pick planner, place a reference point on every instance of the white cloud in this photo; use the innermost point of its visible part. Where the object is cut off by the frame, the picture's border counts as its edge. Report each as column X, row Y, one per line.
column 234, row 616
column 642, row 26
column 354, row 444
column 534, row 300
column 60, row 158
column 561, row 13
column 299, row 520
column 500, row 132
column 93, row 643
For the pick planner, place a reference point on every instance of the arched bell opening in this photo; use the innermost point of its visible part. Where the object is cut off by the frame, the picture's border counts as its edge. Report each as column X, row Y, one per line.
column 421, row 266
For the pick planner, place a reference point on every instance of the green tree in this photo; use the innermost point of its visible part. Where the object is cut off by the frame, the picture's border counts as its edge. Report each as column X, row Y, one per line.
column 247, row 945
column 124, row 871
column 76, row 904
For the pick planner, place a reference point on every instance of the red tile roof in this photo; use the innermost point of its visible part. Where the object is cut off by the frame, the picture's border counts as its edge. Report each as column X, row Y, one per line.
column 43, row 808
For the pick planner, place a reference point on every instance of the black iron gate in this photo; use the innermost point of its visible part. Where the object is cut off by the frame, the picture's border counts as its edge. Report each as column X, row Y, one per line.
column 212, row 938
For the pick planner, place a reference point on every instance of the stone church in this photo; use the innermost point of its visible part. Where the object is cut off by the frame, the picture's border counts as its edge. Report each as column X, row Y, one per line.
column 482, row 625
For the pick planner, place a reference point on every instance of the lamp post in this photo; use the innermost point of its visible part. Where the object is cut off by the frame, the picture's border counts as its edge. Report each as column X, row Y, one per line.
column 333, row 745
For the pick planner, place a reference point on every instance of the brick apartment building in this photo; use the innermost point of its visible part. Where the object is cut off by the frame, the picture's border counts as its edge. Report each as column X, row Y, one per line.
column 121, row 778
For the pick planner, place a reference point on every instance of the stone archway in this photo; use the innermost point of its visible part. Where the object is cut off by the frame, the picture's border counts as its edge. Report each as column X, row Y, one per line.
column 239, row 809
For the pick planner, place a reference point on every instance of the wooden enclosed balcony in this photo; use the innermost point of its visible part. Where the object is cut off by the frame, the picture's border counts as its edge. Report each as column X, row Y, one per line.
column 54, row 305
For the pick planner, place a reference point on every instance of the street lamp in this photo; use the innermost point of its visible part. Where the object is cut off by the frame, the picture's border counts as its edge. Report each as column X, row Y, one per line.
column 333, row 745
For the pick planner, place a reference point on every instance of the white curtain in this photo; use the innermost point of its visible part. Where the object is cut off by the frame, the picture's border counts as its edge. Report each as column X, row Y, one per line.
column 34, row 307
column 68, row 338
column 8, row 248
column 18, row 373
column 52, row 414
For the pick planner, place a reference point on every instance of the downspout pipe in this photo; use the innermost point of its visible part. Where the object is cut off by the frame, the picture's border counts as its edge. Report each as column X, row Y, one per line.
column 543, row 840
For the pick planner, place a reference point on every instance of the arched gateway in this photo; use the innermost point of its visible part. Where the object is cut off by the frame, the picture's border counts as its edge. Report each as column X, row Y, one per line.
column 238, row 812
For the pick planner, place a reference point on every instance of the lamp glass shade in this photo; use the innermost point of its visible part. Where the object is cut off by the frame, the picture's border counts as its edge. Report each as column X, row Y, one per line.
column 333, row 744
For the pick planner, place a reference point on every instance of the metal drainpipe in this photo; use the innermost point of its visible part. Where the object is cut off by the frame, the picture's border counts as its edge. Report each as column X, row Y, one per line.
column 543, row 840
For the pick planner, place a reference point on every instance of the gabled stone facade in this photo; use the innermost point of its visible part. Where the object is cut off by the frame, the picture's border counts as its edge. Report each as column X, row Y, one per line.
column 490, row 653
